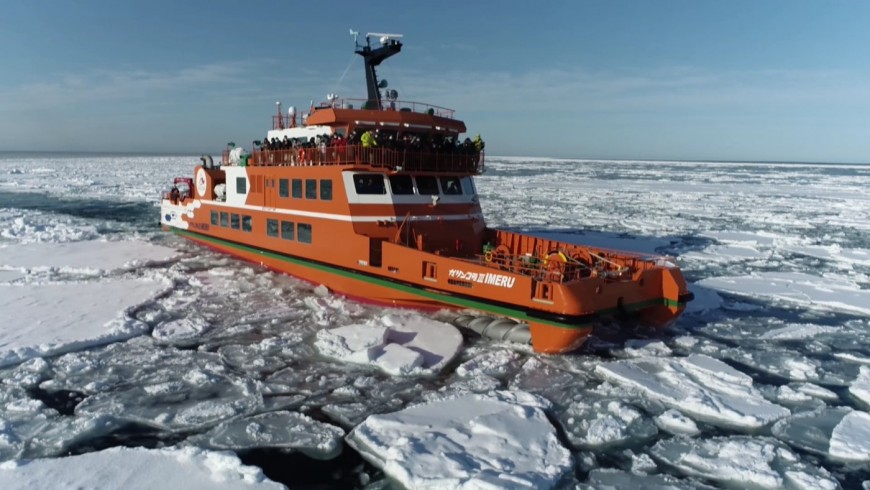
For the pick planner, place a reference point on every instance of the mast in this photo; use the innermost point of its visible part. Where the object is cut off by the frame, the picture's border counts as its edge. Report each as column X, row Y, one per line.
column 373, row 57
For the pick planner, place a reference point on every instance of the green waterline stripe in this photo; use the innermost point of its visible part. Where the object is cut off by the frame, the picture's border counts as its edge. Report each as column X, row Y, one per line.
column 418, row 291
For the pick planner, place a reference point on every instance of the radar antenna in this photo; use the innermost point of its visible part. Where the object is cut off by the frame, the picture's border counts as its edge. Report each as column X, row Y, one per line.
column 373, row 57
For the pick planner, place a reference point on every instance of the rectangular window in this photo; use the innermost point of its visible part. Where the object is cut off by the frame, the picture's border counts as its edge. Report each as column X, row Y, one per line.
column 246, row 223
column 310, row 188
column 214, row 218
column 451, row 185
column 284, row 188
column 401, row 184
column 297, row 188
column 427, row 185
column 241, row 185
column 326, row 190
column 287, row 230
column 225, row 219
column 272, row 227
column 369, row 184
column 304, row 233
column 234, row 220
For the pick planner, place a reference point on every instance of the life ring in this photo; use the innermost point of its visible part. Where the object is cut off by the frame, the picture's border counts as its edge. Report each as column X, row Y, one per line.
column 488, row 256
column 555, row 256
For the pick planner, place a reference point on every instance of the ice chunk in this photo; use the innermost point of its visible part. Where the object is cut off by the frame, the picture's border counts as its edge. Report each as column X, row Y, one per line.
column 810, row 431
column 93, row 255
column 676, row 423
column 398, row 344
column 473, row 441
column 137, row 468
column 850, row 440
column 590, row 423
column 698, row 385
column 860, row 388
column 807, row 290
column 51, row 319
column 742, row 462
column 607, row 479
column 495, row 363
column 181, row 331
column 282, row 430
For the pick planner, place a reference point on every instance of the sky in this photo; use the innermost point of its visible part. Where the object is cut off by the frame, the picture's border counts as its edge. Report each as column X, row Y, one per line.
column 742, row 80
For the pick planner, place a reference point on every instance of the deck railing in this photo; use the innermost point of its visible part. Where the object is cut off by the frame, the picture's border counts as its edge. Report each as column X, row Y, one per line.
column 458, row 161
column 284, row 121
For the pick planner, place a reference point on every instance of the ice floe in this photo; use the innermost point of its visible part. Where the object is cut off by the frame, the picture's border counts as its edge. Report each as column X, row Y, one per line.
column 50, row 319
column 473, row 441
column 834, row 293
column 136, row 468
column 277, row 430
column 860, row 388
column 742, row 462
column 398, row 344
column 91, row 255
column 699, row 386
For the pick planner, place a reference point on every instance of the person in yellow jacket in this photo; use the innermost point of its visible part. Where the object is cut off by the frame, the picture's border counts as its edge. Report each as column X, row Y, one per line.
column 368, row 140
column 479, row 145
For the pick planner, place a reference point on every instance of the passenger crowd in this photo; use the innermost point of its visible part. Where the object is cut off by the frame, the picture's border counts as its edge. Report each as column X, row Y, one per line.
column 392, row 140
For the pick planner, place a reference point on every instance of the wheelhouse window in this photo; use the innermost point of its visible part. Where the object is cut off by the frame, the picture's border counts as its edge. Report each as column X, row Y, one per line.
column 287, row 230
column 310, row 189
column 369, row 184
column 272, row 227
column 304, row 232
column 325, row 189
column 297, row 188
column 451, row 185
column 427, row 185
column 284, row 188
column 241, row 185
column 401, row 184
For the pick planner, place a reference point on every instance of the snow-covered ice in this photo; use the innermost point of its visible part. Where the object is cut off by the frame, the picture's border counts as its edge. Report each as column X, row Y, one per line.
column 208, row 347
column 50, row 319
column 398, row 344
column 137, row 468
column 472, row 441
column 699, row 385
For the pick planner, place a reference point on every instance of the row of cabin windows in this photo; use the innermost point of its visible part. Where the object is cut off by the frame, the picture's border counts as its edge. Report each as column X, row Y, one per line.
column 288, row 230
column 288, row 188
column 284, row 188
column 231, row 220
column 424, row 185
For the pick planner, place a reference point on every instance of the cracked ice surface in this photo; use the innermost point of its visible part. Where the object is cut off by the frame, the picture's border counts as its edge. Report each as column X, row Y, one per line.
column 467, row 441
column 698, row 385
column 742, row 462
column 137, row 468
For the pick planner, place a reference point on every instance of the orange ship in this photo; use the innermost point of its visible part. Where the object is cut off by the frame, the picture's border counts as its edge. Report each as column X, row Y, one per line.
column 375, row 199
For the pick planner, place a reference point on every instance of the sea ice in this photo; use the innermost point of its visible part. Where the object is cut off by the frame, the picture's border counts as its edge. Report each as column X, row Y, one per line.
column 860, row 388
column 810, row 431
column 742, row 462
column 676, row 423
column 281, row 430
column 473, row 441
column 51, row 319
column 596, row 423
column 829, row 293
column 850, row 440
column 699, row 386
column 397, row 344
column 136, row 468
column 91, row 255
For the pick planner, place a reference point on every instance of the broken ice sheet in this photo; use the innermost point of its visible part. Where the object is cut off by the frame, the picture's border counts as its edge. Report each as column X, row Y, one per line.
column 277, row 430
column 599, row 422
column 742, row 462
column 699, row 386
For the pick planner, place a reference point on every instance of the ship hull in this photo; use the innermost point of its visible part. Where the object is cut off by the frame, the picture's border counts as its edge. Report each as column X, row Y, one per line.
column 548, row 335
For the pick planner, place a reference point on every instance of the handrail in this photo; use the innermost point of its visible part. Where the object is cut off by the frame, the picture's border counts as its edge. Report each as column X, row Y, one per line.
column 457, row 161
column 552, row 268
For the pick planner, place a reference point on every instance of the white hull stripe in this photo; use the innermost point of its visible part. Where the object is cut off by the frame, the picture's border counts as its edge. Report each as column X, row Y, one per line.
column 343, row 217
